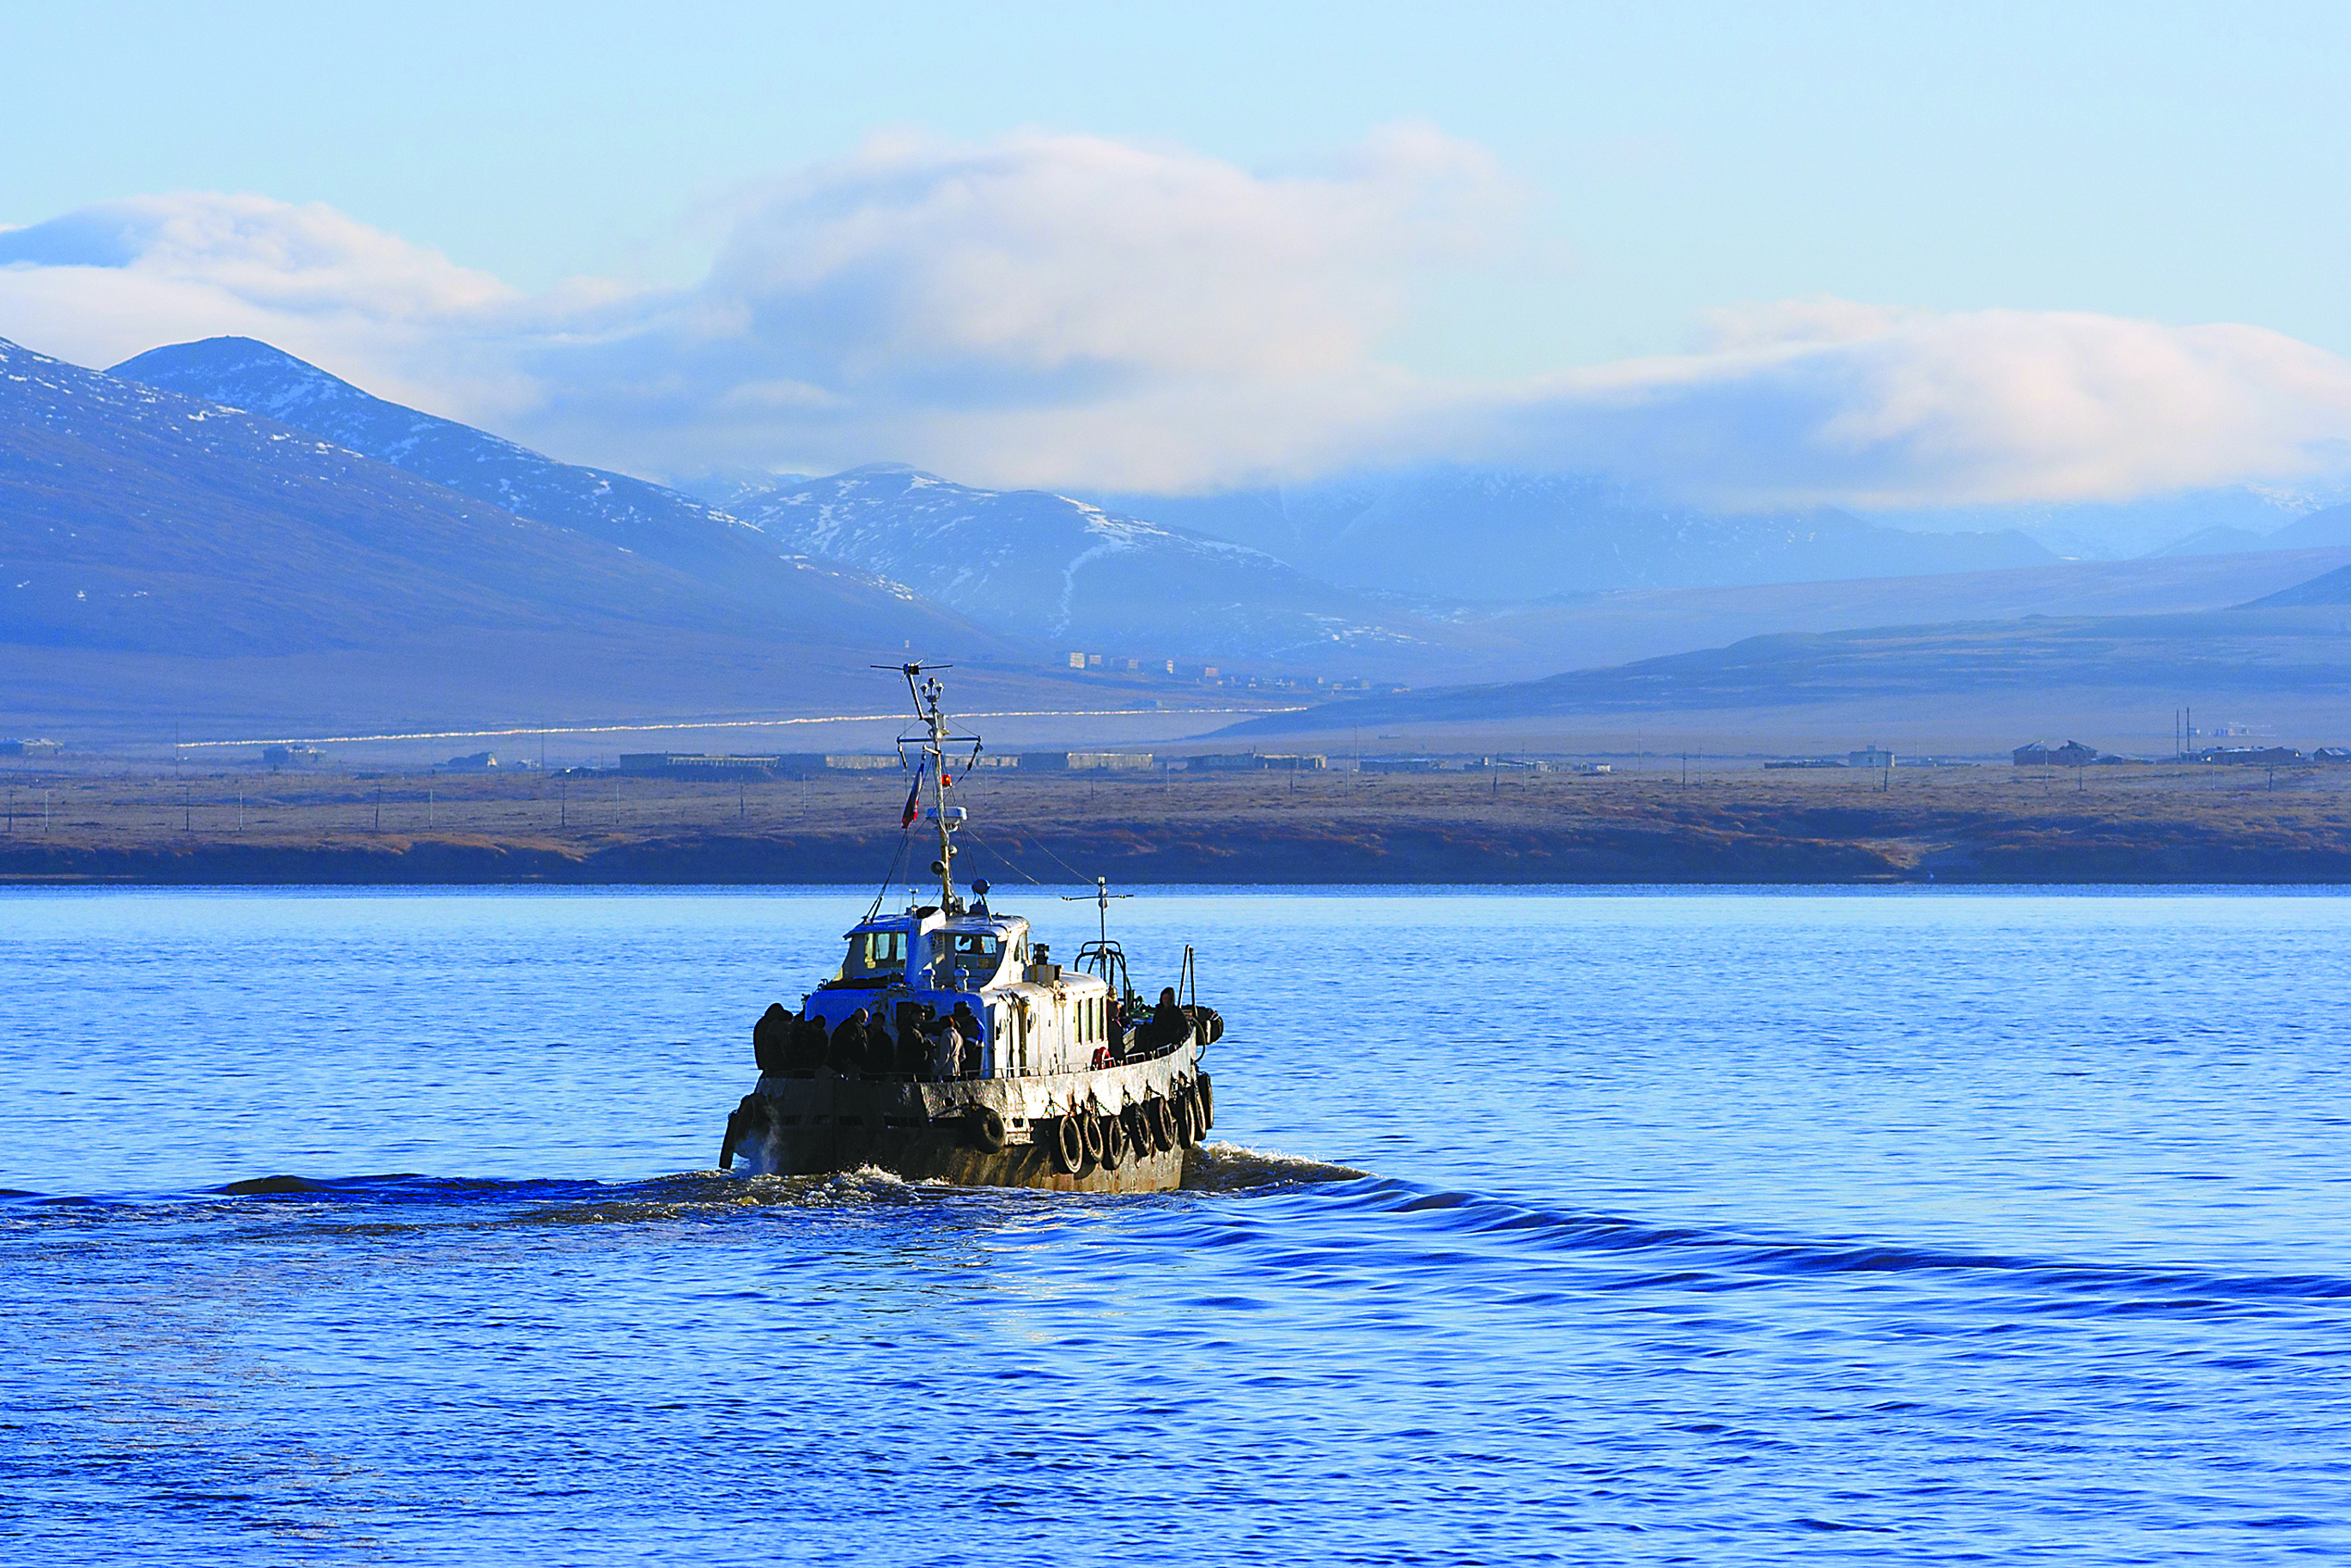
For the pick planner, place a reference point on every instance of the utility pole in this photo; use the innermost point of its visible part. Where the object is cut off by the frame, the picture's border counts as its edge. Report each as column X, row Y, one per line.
column 187, row 810
column 379, row 808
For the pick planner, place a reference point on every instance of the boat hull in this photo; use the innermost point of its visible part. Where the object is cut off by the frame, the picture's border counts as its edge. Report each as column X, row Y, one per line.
column 817, row 1123
column 943, row 1156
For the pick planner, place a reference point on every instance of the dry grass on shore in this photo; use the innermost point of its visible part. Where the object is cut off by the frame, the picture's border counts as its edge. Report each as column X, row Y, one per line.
column 2125, row 823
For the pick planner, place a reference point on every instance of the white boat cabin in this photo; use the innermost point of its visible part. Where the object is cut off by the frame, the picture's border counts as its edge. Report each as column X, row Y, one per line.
column 1034, row 1017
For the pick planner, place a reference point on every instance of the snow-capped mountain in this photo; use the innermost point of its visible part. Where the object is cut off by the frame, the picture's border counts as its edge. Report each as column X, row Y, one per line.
column 160, row 553
column 1474, row 533
column 1028, row 563
column 648, row 519
column 1053, row 567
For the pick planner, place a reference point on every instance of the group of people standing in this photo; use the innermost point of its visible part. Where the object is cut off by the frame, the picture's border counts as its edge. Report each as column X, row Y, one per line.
column 915, row 1043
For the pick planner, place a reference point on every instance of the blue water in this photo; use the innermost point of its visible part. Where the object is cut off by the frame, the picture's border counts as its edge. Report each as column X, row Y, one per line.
column 1694, row 1228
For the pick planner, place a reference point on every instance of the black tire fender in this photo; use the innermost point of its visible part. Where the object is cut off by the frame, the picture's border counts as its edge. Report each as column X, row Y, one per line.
column 984, row 1124
column 1113, row 1139
column 1207, row 1097
column 1089, row 1127
column 1069, row 1146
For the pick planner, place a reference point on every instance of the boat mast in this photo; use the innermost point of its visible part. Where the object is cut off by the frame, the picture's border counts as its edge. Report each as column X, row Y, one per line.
column 926, row 691
column 931, row 693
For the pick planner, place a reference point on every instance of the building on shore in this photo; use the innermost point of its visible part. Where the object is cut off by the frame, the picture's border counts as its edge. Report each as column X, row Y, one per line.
column 1258, row 761
column 2251, row 756
column 714, row 765
column 2042, row 754
column 1084, row 761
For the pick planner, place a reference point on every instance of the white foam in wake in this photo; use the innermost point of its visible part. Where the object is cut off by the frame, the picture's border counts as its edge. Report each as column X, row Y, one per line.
column 1232, row 1167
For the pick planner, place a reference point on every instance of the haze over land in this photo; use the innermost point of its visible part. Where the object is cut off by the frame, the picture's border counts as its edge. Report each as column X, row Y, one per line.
column 223, row 535
column 1642, row 408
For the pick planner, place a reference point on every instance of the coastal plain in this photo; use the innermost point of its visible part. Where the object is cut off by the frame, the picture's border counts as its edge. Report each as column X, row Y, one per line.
column 1643, row 823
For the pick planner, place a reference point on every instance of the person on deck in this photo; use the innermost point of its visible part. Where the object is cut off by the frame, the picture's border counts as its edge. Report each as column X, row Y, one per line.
column 772, row 1039
column 1168, row 1024
column 968, row 1065
column 915, row 1022
column 946, row 1052
column 848, row 1052
column 807, row 1045
column 881, row 1051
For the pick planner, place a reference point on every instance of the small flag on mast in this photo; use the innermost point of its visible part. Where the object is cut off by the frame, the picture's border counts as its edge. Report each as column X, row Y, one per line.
column 913, row 792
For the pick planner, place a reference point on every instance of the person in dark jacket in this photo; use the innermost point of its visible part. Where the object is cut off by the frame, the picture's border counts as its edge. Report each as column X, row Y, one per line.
column 914, row 1026
column 848, row 1052
column 881, row 1051
column 807, row 1045
column 1168, row 1024
column 771, row 1038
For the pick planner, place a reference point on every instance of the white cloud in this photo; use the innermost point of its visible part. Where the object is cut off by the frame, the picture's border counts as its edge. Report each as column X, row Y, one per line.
column 1829, row 401
column 1073, row 310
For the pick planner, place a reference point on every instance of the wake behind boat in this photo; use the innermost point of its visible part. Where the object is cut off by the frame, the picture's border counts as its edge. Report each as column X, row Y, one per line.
column 950, row 1046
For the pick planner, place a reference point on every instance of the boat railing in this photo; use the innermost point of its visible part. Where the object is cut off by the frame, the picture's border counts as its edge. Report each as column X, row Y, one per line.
column 1106, row 961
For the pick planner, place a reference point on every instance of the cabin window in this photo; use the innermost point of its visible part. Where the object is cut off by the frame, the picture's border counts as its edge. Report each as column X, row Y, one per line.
column 973, row 955
column 874, row 955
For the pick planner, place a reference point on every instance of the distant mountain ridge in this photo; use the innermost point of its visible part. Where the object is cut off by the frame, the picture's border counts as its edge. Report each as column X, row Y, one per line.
column 163, row 553
column 2221, row 520
column 2289, row 652
column 1062, row 568
column 1028, row 563
column 1472, row 533
column 645, row 519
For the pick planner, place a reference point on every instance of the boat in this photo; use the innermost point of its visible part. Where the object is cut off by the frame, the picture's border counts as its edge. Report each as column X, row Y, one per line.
column 950, row 1046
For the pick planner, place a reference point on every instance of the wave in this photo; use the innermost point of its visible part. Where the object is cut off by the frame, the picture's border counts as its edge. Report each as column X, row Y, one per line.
column 1733, row 1257
column 1234, row 1168
column 1695, row 1257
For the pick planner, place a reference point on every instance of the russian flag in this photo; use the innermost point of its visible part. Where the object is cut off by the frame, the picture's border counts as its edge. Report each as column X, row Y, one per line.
column 913, row 793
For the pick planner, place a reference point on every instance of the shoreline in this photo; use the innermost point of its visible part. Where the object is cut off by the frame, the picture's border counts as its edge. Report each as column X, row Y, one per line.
column 2156, row 827
column 1407, row 857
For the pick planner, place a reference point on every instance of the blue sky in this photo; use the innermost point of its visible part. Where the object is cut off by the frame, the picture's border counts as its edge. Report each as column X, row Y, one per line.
column 1640, row 171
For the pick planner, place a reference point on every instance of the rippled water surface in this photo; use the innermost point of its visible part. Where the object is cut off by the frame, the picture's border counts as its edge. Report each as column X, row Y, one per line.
column 1633, row 1228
